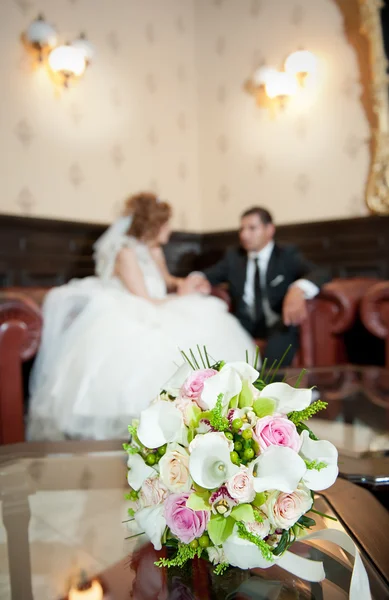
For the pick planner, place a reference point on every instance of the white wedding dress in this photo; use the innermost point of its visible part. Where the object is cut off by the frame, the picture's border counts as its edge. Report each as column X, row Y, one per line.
column 106, row 353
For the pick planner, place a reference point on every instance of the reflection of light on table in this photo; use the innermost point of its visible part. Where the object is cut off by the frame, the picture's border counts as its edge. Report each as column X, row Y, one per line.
column 355, row 439
column 94, row 592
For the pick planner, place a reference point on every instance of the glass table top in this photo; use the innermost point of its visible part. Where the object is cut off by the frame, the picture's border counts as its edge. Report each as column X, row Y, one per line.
column 63, row 511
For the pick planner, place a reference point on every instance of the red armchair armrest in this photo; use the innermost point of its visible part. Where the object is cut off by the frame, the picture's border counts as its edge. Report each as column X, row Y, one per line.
column 330, row 315
column 20, row 332
column 375, row 313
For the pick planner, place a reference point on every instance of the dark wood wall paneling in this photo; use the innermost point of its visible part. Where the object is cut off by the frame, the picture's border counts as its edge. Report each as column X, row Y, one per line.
column 41, row 252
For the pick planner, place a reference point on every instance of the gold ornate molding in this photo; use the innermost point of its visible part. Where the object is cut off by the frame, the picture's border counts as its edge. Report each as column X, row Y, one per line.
column 377, row 191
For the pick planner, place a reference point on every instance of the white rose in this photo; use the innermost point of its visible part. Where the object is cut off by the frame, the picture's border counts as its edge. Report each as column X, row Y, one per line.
column 216, row 555
column 283, row 510
column 241, row 486
column 262, row 529
column 216, row 434
column 174, row 469
column 152, row 492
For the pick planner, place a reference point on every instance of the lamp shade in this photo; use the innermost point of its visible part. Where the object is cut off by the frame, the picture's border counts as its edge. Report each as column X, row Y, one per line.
column 301, row 61
column 280, row 84
column 263, row 74
column 67, row 60
column 41, row 33
column 85, row 47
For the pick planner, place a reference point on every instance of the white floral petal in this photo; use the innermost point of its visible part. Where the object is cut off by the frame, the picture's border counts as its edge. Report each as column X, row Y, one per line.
column 278, row 468
column 138, row 471
column 159, row 424
column 321, row 451
column 178, row 379
column 243, row 554
column 287, row 397
column 209, row 463
column 244, row 370
column 227, row 383
column 151, row 520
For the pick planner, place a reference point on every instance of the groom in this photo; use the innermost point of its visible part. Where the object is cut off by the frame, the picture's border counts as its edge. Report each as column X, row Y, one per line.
column 268, row 284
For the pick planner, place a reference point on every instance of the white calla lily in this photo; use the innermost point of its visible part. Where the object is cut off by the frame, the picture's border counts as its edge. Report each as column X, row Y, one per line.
column 175, row 383
column 244, row 554
column 210, row 463
column 138, row 471
column 152, row 521
column 278, row 468
column 245, row 371
column 287, row 398
column 325, row 456
column 226, row 382
column 160, row 424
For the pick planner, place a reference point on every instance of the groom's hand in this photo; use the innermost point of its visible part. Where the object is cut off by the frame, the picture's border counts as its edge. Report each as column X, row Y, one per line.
column 294, row 310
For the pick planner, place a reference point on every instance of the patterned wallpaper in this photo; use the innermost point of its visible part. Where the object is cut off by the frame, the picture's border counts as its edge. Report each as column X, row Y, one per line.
column 163, row 107
column 129, row 124
column 311, row 161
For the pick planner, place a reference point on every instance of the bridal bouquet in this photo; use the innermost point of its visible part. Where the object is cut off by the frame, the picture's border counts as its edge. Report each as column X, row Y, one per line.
column 222, row 465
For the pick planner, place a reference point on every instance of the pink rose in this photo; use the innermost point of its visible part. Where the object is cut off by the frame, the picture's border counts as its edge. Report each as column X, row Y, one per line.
column 276, row 431
column 186, row 524
column 241, row 486
column 152, row 492
column 194, row 385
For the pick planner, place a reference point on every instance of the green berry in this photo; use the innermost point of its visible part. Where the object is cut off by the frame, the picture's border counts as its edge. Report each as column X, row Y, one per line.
column 194, row 544
column 151, row 459
column 161, row 451
column 238, row 446
column 248, row 453
column 228, row 435
column 234, row 457
column 133, row 494
column 247, row 434
column 237, row 424
column 204, row 541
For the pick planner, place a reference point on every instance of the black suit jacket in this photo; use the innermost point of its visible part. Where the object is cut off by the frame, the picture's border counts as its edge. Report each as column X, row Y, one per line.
column 285, row 266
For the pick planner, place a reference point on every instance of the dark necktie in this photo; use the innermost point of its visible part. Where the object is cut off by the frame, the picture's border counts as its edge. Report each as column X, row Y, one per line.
column 258, row 313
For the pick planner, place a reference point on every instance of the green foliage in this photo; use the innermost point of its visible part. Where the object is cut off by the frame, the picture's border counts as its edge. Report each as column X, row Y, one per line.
column 133, row 430
column 306, row 522
column 216, row 418
column 316, row 465
column 302, row 427
column 131, row 512
column 257, row 516
column 221, row 568
column 184, row 553
column 265, row 549
column 283, row 544
column 307, row 413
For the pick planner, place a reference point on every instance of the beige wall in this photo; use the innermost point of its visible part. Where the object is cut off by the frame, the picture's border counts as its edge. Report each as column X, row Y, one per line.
column 130, row 123
column 163, row 107
column 309, row 163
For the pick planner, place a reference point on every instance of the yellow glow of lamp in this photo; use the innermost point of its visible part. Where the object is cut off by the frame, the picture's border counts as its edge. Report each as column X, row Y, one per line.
column 93, row 592
column 280, row 84
column 301, row 62
column 67, row 61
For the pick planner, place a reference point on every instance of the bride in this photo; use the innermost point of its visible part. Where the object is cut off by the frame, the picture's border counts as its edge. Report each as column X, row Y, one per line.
column 112, row 341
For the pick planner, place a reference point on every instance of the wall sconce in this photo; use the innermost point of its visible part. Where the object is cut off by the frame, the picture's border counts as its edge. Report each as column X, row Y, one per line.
column 39, row 38
column 66, row 62
column 269, row 85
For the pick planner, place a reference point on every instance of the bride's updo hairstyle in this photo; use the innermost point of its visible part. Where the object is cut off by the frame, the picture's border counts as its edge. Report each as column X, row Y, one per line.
column 148, row 215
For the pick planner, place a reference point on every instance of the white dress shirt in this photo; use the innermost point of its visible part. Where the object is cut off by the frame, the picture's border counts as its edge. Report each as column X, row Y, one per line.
column 263, row 256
